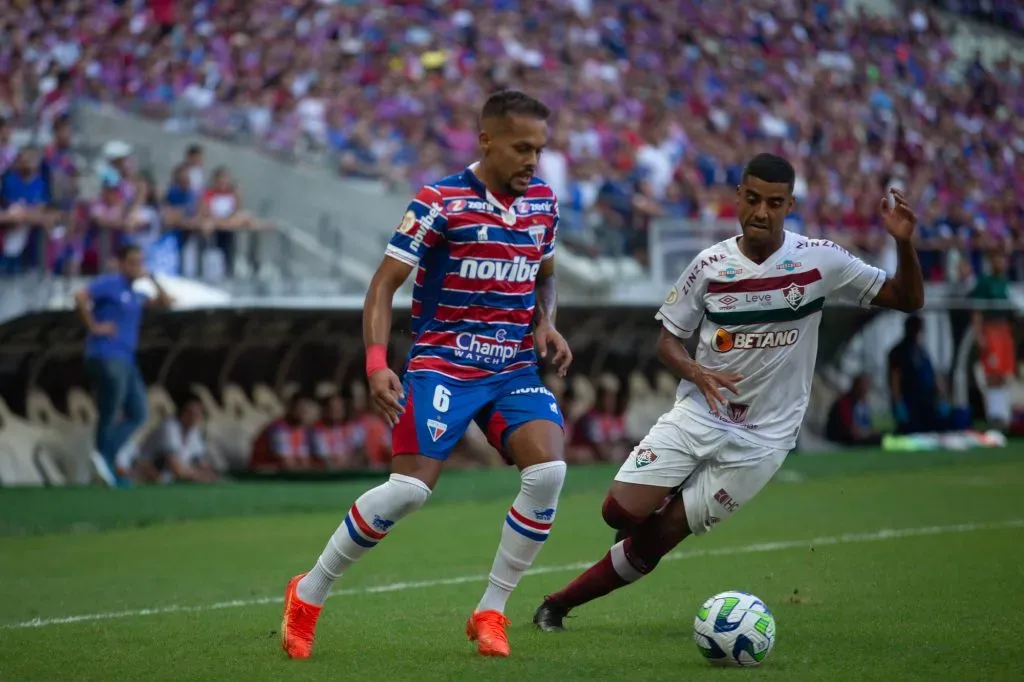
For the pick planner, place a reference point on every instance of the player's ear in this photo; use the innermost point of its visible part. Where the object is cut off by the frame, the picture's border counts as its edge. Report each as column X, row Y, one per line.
column 791, row 204
column 485, row 141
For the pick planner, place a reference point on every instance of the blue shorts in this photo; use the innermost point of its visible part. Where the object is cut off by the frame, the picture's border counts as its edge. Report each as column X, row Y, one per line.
column 438, row 410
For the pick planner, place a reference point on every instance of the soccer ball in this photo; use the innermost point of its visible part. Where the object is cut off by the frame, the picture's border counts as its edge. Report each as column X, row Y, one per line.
column 734, row 628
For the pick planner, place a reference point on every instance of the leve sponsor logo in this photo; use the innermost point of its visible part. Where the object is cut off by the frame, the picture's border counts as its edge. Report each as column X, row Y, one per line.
column 763, row 300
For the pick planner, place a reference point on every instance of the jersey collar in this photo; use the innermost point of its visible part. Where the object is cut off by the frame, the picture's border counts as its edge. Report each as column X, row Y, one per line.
column 508, row 213
column 732, row 244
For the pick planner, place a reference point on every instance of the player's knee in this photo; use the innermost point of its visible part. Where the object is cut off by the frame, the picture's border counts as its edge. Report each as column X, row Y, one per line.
column 674, row 525
column 406, row 493
column 616, row 516
column 543, row 482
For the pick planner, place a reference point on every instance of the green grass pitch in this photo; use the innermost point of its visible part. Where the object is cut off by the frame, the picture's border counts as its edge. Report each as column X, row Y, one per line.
column 878, row 566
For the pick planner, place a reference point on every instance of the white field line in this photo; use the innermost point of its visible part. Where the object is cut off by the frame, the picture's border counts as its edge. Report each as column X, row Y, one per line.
column 874, row 536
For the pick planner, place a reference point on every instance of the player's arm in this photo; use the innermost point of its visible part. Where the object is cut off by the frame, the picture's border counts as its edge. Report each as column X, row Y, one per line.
column 377, row 307
column 681, row 315
column 674, row 355
column 385, row 387
column 547, row 293
column 905, row 289
column 544, row 333
column 84, row 300
column 422, row 227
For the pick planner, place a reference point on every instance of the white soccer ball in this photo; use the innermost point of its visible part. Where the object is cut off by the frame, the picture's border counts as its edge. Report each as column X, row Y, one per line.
column 734, row 628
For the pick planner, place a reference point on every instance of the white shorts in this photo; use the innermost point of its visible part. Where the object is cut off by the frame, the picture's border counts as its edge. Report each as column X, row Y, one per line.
column 998, row 403
column 716, row 469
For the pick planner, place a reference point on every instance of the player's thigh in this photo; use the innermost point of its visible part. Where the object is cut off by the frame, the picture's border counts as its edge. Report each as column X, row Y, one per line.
column 667, row 456
column 437, row 413
column 524, row 422
column 718, row 489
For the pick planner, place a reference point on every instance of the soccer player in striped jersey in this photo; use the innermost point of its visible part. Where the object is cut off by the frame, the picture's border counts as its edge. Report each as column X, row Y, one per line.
column 755, row 301
column 482, row 244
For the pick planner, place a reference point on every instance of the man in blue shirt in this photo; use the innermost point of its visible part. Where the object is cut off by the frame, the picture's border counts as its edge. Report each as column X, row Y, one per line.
column 112, row 312
column 24, row 200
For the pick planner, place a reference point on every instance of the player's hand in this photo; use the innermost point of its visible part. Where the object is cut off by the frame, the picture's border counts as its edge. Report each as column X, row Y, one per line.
column 899, row 219
column 711, row 382
column 103, row 329
column 386, row 393
column 545, row 335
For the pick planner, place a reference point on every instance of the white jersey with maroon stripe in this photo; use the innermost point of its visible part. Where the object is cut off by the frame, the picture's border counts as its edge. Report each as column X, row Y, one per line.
column 761, row 321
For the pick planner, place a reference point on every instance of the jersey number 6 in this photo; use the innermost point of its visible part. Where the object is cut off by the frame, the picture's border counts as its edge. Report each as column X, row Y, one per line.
column 442, row 398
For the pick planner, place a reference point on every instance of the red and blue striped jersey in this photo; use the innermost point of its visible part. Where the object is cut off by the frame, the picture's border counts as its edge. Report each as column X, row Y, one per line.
column 477, row 261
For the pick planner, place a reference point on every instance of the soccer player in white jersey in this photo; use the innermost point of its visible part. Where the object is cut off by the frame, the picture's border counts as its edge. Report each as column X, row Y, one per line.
column 755, row 301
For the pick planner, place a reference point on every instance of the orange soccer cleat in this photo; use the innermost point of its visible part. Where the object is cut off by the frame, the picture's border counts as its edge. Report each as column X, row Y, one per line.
column 487, row 629
column 298, row 624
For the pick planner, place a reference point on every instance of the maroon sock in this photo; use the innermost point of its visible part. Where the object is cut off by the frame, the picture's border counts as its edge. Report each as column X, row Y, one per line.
column 596, row 581
column 625, row 563
column 618, row 568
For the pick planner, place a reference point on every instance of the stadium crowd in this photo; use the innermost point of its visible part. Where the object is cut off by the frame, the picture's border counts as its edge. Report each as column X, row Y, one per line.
column 185, row 227
column 1006, row 14
column 658, row 103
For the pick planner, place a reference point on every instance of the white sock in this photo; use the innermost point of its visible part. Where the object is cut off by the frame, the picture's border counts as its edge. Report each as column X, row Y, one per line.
column 526, row 528
column 367, row 523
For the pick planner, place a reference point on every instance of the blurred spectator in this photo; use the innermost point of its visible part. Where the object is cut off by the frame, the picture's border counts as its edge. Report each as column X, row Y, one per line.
column 993, row 330
column 181, row 200
column 602, row 430
column 111, row 310
column 193, row 164
column 285, row 443
column 143, row 219
column 107, row 220
column 331, row 437
column 60, row 168
column 1005, row 14
column 367, row 432
column 8, row 150
column 219, row 215
column 849, row 420
column 918, row 394
column 176, row 450
column 117, row 169
column 24, row 211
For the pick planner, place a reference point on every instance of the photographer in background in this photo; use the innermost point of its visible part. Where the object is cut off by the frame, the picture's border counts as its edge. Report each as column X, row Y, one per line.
column 111, row 311
column 993, row 332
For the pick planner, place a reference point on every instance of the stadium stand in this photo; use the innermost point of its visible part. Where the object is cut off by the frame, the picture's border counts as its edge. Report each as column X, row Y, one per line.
column 657, row 103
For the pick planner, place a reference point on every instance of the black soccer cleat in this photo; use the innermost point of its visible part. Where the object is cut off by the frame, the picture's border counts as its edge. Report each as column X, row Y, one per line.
column 549, row 616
